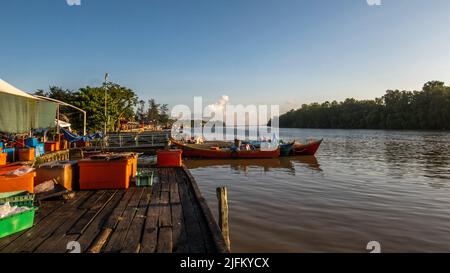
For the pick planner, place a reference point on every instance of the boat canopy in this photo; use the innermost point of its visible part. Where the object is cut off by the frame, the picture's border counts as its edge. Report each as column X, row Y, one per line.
column 21, row 112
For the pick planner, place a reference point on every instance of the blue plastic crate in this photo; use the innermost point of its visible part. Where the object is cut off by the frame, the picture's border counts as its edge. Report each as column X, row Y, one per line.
column 11, row 154
column 2, row 145
column 31, row 142
column 39, row 150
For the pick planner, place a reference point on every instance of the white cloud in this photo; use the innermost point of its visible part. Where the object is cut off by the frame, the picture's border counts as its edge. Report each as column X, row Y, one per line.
column 220, row 105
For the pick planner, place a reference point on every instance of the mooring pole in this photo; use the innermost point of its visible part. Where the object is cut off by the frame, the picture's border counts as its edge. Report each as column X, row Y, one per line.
column 222, row 196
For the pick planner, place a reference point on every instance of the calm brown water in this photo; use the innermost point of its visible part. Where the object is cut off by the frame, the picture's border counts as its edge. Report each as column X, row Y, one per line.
column 386, row 186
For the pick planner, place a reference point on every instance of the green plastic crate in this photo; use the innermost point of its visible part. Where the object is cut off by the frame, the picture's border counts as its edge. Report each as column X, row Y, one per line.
column 17, row 198
column 144, row 180
column 16, row 223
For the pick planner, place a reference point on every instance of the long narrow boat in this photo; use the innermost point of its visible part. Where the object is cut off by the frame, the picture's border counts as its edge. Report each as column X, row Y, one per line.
column 306, row 149
column 193, row 150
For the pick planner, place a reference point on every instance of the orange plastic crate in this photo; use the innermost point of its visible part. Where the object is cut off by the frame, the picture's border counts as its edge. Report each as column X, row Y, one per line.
column 3, row 158
column 134, row 162
column 26, row 154
column 50, row 146
column 16, row 183
column 102, row 174
column 63, row 145
column 170, row 158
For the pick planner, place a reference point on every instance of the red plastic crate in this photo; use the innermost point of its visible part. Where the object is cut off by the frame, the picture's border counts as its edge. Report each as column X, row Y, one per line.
column 171, row 158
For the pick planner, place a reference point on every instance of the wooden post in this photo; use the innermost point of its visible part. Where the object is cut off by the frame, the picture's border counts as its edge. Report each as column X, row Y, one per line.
column 222, row 196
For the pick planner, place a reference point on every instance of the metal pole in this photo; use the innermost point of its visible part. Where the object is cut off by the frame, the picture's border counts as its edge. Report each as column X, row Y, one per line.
column 106, row 115
column 58, row 130
column 84, row 123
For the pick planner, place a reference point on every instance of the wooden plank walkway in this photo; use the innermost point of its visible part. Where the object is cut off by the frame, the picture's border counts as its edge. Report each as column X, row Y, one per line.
column 170, row 217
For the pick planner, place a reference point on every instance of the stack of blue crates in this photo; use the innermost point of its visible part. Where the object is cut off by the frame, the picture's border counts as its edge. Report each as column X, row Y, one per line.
column 31, row 142
column 11, row 154
column 38, row 147
column 39, row 150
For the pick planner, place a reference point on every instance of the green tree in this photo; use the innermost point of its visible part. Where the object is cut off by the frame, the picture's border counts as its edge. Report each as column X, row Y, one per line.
column 153, row 111
column 425, row 109
column 140, row 112
column 164, row 114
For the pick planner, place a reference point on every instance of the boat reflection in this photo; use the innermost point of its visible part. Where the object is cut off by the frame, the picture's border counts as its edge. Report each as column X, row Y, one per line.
column 243, row 165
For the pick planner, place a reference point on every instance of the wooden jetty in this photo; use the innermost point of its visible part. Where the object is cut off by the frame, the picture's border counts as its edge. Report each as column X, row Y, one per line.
column 169, row 217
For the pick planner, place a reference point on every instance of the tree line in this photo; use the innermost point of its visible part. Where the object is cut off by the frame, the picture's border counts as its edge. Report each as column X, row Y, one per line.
column 122, row 104
column 428, row 109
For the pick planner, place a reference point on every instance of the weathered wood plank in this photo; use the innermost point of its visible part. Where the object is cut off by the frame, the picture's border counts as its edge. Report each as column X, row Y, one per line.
column 116, row 242
column 193, row 231
column 150, row 233
column 95, row 208
column 88, row 237
column 116, row 215
column 217, row 236
column 79, row 218
column 164, row 240
column 133, row 238
column 222, row 196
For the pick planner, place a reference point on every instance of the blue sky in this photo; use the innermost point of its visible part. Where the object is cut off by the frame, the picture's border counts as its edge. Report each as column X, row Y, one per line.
column 255, row 51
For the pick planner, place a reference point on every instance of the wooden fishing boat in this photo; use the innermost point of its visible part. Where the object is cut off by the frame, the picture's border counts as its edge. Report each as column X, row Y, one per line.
column 286, row 149
column 306, row 149
column 199, row 151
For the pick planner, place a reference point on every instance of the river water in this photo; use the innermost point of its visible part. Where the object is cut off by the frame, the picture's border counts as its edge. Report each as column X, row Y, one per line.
column 392, row 187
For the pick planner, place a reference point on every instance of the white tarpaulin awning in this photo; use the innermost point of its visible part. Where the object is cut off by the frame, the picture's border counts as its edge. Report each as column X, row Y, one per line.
column 9, row 89
column 20, row 112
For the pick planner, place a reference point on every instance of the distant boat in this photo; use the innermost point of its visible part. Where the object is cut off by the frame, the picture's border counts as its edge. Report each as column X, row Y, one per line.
column 200, row 151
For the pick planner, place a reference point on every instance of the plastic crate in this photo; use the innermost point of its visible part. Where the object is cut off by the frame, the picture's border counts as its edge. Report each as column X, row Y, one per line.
column 27, row 154
column 104, row 174
column 3, row 159
column 51, row 146
column 170, row 158
column 17, row 198
column 31, row 142
column 17, row 223
column 16, row 183
column 39, row 151
column 11, row 154
column 144, row 180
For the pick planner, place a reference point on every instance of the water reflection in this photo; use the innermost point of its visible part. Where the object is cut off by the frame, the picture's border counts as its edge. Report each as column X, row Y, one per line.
column 269, row 164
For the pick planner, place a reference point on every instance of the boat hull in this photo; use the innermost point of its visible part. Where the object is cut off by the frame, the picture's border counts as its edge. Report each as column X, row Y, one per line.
column 306, row 149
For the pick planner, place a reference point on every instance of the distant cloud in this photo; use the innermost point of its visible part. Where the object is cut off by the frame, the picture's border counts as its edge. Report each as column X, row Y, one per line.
column 220, row 105
column 73, row 2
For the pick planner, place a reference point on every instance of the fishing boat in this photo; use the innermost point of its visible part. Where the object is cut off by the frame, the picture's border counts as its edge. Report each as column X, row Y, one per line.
column 293, row 148
column 199, row 151
column 309, row 148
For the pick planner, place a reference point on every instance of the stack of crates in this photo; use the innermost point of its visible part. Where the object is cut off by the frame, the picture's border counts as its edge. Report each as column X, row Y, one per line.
column 39, row 150
column 18, row 222
column 10, row 154
column 38, row 147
